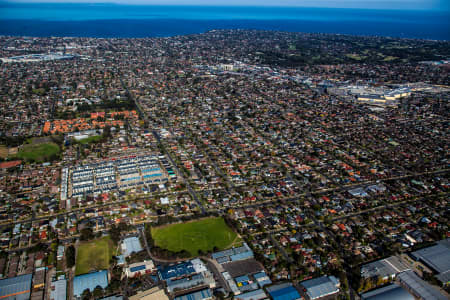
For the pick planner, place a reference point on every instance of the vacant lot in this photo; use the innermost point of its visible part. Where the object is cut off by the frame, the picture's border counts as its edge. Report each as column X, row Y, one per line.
column 94, row 255
column 39, row 152
column 204, row 234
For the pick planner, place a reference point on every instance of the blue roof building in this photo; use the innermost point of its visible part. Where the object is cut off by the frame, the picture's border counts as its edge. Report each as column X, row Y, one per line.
column 244, row 284
column 16, row 288
column 176, row 271
column 89, row 281
column 262, row 279
column 284, row 291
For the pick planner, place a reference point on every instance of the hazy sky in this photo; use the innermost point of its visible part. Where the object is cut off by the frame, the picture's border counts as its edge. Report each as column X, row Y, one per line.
column 373, row 4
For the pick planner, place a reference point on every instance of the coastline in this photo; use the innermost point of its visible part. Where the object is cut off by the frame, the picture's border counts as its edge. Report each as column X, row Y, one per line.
column 137, row 28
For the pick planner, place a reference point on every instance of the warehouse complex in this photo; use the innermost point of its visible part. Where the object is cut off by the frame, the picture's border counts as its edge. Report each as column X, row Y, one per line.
column 16, row 288
column 320, row 287
column 385, row 269
column 392, row 291
column 437, row 258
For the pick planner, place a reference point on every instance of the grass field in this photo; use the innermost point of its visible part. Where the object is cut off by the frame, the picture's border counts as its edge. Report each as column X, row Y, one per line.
column 38, row 152
column 91, row 139
column 204, row 234
column 94, row 255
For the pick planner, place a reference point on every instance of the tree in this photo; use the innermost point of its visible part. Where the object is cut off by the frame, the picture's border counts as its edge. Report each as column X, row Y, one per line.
column 70, row 256
column 86, row 234
column 98, row 292
column 86, row 294
column 114, row 233
column 107, row 132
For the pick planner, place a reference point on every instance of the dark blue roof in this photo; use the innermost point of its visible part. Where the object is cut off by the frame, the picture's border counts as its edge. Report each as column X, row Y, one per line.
column 178, row 270
column 138, row 268
column 287, row 293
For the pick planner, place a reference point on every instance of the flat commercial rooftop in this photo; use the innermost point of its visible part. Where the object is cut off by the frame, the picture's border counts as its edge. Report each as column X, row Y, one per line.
column 320, row 287
column 419, row 287
column 436, row 257
column 383, row 268
column 16, row 288
column 284, row 291
column 199, row 295
column 59, row 289
column 393, row 291
column 175, row 271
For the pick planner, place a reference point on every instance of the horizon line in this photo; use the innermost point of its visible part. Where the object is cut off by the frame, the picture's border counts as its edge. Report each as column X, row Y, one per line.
column 133, row 3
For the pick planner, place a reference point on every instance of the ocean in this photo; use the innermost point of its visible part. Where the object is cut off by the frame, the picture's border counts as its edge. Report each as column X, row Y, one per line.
column 134, row 21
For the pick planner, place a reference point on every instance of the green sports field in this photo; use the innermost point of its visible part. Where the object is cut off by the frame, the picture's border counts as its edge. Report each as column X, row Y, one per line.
column 94, row 255
column 204, row 234
column 39, row 152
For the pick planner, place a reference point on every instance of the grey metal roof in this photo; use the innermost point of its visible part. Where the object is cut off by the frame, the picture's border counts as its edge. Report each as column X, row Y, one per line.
column 444, row 277
column 253, row 295
column 436, row 257
column 202, row 294
column 238, row 253
column 384, row 268
column 320, row 287
column 419, row 287
column 185, row 283
column 130, row 245
column 60, row 290
column 393, row 291
column 15, row 285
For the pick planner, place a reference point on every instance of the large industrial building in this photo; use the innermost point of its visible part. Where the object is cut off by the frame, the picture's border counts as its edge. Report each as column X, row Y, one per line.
column 321, row 287
column 177, row 271
column 284, row 291
column 16, row 288
column 385, row 269
column 437, row 258
column 187, row 276
column 418, row 287
column 205, row 294
column 392, row 291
